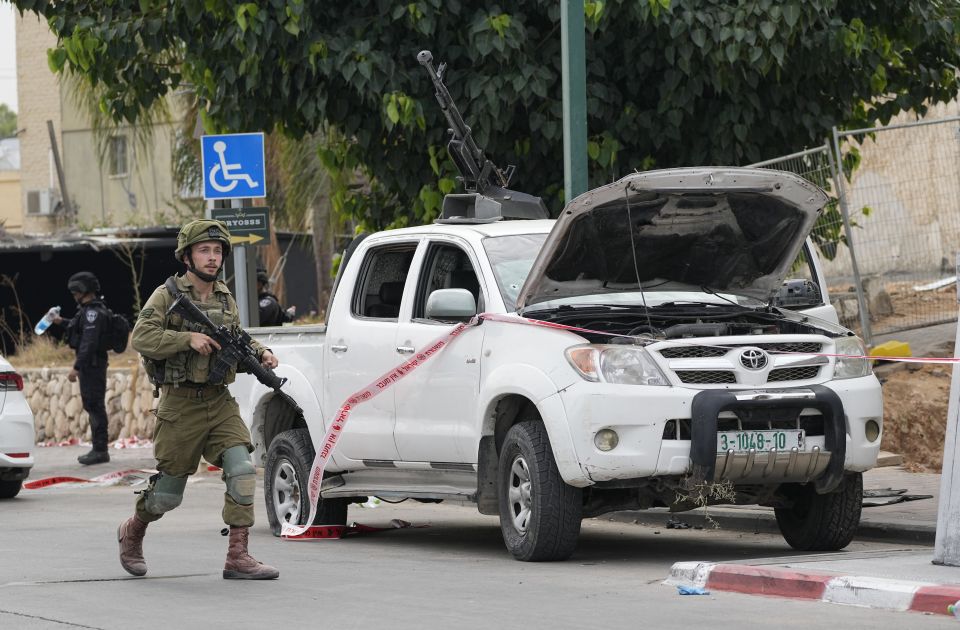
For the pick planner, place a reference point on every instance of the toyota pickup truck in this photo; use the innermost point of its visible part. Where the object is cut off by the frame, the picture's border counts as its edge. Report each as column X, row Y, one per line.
column 645, row 349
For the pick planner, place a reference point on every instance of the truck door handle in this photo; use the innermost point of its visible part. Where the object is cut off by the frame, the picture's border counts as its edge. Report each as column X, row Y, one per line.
column 406, row 349
column 338, row 348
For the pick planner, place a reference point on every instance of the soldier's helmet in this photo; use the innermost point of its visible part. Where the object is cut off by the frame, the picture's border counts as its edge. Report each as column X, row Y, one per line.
column 202, row 230
column 83, row 282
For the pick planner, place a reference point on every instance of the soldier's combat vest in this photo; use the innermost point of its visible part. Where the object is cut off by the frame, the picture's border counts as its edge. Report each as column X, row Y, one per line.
column 190, row 366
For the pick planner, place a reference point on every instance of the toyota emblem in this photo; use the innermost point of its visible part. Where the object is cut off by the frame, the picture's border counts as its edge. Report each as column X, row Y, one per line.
column 753, row 359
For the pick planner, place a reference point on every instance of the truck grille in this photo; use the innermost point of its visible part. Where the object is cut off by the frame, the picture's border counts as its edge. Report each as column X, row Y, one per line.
column 793, row 374
column 706, row 377
column 707, row 352
column 723, row 377
column 698, row 363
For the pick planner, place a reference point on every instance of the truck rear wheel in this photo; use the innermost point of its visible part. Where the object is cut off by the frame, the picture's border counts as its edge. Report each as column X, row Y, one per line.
column 285, row 475
column 821, row 522
column 539, row 513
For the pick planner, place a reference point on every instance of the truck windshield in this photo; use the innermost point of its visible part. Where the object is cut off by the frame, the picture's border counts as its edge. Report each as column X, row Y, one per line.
column 511, row 258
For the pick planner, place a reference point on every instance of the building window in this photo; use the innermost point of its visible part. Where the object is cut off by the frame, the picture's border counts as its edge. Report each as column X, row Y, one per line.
column 119, row 162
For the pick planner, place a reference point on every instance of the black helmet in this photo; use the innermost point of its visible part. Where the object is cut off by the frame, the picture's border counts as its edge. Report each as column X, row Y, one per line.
column 83, row 282
column 262, row 275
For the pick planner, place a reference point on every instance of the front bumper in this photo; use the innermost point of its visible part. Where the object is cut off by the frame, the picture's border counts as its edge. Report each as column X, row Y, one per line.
column 823, row 464
column 642, row 416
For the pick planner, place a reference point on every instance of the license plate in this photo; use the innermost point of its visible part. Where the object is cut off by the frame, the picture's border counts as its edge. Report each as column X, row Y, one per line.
column 761, row 441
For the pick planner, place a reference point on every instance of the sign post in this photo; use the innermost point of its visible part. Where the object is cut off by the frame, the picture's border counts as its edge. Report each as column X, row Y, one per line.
column 233, row 169
column 947, row 542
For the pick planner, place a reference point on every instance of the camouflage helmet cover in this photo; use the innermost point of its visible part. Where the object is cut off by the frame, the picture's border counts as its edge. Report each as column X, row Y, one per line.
column 201, row 230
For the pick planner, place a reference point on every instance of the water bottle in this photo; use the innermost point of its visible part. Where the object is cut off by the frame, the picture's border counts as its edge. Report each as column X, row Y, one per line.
column 47, row 319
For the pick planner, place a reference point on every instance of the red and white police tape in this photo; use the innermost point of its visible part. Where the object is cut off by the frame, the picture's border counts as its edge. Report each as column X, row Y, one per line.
column 108, row 479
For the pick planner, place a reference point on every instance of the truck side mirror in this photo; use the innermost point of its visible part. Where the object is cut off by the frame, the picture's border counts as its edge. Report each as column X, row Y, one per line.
column 451, row 304
column 798, row 293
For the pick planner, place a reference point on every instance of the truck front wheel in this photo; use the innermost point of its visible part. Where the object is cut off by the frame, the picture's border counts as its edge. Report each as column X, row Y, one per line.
column 821, row 522
column 539, row 513
column 285, row 477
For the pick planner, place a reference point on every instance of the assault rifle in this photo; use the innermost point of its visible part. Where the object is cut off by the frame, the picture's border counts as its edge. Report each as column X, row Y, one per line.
column 488, row 197
column 236, row 348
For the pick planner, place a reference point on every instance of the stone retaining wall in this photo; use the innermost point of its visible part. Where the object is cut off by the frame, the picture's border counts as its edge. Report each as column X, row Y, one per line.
column 58, row 410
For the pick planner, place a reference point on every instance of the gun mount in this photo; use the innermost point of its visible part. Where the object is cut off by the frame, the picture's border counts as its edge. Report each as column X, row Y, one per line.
column 487, row 198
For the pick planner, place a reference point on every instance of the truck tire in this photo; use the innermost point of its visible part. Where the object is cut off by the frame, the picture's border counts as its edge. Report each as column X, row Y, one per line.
column 285, row 475
column 539, row 513
column 10, row 489
column 821, row 522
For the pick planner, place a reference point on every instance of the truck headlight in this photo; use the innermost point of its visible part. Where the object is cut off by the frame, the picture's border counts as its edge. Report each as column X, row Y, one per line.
column 625, row 365
column 849, row 367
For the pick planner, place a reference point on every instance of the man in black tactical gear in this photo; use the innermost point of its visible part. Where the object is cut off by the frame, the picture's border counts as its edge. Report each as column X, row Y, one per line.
column 271, row 313
column 85, row 334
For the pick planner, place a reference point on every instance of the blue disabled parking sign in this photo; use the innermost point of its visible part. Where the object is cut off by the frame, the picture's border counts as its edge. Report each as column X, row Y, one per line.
column 233, row 166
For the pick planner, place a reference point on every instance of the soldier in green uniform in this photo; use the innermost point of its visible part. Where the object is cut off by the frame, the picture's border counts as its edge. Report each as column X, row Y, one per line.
column 195, row 418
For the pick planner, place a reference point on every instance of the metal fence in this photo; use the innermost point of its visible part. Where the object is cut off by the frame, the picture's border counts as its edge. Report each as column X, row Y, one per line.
column 890, row 238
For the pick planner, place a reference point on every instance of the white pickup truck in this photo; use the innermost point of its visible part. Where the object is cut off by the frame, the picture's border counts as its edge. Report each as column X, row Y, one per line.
column 640, row 355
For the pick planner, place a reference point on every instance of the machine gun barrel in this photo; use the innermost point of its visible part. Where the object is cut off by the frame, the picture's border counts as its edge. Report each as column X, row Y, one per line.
column 478, row 172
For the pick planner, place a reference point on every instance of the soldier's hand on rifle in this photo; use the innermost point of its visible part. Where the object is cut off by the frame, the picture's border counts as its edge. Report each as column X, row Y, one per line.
column 203, row 343
column 268, row 360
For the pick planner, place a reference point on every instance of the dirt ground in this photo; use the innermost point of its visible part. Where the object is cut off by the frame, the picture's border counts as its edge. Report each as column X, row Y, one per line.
column 915, row 413
column 907, row 307
column 914, row 396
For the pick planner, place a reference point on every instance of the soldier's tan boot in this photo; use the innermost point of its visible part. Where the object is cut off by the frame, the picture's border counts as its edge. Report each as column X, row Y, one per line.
column 130, row 536
column 240, row 565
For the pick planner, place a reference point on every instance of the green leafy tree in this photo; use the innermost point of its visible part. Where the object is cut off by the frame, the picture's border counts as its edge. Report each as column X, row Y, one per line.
column 8, row 121
column 670, row 82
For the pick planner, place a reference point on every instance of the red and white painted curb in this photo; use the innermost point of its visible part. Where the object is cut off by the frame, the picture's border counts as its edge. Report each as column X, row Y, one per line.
column 871, row 592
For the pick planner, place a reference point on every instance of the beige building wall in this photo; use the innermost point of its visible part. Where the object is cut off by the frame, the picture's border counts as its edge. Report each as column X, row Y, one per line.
column 910, row 180
column 38, row 95
column 141, row 195
column 11, row 216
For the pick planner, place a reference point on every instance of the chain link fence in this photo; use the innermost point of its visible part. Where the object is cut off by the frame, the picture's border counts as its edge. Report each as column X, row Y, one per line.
column 889, row 239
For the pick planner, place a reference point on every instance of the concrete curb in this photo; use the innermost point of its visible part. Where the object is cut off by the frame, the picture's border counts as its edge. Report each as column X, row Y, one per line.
column 871, row 592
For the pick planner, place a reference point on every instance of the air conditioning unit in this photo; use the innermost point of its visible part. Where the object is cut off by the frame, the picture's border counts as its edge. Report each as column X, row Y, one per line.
column 42, row 202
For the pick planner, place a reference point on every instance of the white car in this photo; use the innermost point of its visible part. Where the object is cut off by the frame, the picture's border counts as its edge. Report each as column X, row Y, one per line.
column 16, row 432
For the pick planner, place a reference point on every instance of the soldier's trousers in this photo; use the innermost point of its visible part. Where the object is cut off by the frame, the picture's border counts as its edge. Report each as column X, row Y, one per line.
column 192, row 422
column 93, row 391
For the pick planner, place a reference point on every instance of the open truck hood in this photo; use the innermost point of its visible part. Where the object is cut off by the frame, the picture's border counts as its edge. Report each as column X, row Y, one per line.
column 733, row 230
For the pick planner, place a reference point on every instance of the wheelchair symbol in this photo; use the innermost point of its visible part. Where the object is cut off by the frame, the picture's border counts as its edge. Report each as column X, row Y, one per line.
column 223, row 169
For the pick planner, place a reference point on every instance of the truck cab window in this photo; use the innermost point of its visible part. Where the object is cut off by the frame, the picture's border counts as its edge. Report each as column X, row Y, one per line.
column 381, row 282
column 445, row 267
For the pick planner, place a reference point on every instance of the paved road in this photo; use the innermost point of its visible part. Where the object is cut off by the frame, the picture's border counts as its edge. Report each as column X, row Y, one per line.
column 59, row 570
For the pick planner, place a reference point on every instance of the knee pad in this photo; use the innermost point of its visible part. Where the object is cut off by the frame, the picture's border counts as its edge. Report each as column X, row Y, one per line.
column 164, row 494
column 240, row 474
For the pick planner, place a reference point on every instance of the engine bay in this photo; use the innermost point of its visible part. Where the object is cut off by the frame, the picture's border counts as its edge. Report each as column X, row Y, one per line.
column 679, row 321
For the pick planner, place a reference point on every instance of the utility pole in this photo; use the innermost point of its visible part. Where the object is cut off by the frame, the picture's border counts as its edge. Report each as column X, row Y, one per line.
column 947, row 543
column 574, row 64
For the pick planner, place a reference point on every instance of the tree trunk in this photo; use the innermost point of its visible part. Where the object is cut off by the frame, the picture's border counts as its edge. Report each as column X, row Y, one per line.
column 323, row 239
